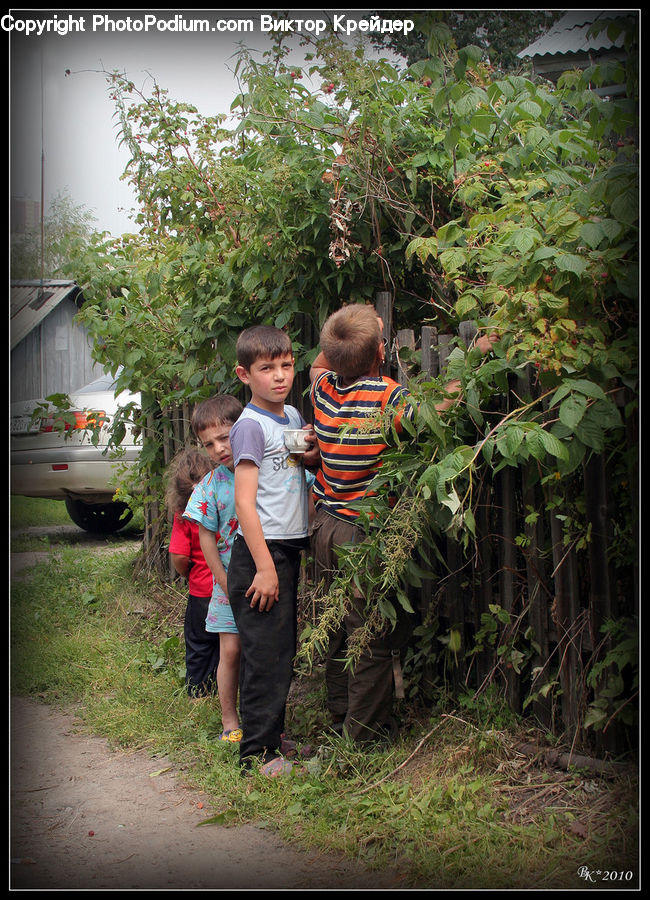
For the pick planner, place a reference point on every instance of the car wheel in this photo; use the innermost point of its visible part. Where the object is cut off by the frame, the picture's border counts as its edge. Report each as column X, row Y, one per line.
column 100, row 518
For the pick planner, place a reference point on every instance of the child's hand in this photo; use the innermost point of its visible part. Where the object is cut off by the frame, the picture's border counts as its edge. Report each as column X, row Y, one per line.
column 486, row 342
column 222, row 582
column 265, row 589
column 311, row 457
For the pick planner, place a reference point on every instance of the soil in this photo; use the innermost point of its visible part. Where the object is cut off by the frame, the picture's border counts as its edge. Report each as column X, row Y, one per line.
column 86, row 817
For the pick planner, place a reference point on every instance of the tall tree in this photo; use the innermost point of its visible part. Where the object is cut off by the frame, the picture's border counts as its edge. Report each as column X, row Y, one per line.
column 501, row 33
column 466, row 194
column 66, row 226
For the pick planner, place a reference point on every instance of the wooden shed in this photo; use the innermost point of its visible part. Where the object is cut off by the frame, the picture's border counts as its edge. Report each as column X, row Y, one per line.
column 50, row 351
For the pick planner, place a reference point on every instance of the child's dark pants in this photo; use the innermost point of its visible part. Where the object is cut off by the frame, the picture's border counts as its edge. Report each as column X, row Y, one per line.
column 201, row 649
column 361, row 699
column 268, row 648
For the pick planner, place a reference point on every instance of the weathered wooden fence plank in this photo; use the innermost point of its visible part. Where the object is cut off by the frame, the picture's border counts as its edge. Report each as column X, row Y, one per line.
column 429, row 350
column 405, row 341
column 564, row 617
column 384, row 307
column 538, row 594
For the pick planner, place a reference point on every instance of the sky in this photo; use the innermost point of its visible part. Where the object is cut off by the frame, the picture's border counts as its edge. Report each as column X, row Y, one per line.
column 69, row 118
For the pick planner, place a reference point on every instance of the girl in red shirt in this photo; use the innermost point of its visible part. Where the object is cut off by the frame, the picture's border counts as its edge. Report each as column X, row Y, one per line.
column 201, row 647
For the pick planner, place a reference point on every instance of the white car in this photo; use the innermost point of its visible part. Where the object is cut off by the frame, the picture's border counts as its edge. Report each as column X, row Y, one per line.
column 54, row 455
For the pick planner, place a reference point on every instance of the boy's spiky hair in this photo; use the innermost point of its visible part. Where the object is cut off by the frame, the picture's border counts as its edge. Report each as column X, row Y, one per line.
column 350, row 339
column 222, row 409
column 261, row 341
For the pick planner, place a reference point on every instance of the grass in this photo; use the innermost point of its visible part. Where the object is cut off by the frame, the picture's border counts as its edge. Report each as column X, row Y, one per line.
column 28, row 512
column 453, row 804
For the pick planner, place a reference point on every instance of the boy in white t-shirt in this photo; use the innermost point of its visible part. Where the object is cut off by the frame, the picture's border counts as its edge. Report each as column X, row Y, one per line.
column 271, row 500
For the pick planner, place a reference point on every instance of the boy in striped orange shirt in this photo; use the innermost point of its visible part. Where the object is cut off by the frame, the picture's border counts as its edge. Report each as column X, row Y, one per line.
column 346, row 391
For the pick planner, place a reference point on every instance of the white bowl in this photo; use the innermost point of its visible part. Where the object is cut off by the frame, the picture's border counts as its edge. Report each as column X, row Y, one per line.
column 295, row 440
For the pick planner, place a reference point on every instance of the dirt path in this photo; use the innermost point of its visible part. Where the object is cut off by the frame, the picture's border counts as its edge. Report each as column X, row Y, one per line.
column 86, row 817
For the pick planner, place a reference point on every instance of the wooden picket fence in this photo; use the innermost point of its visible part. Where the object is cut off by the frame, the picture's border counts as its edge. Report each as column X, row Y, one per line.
column 552, row 592
column 545, row 588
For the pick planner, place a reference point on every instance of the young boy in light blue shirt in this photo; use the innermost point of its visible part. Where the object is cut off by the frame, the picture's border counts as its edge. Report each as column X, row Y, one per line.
column 212, row 507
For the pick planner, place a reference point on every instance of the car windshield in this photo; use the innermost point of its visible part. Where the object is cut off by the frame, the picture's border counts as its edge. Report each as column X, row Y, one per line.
column 102, row 384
